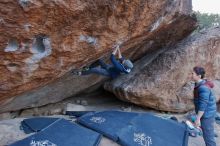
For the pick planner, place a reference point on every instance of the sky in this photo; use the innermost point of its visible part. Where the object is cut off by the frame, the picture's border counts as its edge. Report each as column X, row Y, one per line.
column 207, row 6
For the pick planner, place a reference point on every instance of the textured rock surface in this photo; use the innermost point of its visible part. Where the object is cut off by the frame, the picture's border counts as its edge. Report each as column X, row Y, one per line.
column 42, row 40
column 163, row 83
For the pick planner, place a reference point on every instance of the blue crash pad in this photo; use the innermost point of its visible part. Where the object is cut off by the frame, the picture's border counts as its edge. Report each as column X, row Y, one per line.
column 62, row 133
column 77, row 113
column 108, row 123
column 151, row 130
column 36, row 124
column 135, row 129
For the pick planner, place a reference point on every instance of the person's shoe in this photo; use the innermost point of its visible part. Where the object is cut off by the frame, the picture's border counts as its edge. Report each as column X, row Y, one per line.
column 75, row 72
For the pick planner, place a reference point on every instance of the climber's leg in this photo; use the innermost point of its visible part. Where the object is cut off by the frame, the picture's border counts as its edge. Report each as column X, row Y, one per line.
column 104, row 65
column 96, row 70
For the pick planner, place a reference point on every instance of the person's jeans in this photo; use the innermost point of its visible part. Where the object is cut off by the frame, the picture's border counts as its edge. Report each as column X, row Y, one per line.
column 207, row 125
column 104, row 70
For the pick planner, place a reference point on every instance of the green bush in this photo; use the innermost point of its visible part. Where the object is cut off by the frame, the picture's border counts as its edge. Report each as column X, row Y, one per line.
column 206, row 20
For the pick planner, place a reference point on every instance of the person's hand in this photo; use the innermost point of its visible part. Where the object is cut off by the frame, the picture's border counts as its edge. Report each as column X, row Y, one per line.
column 117, row 47
column 115, row 50
column 197, row 122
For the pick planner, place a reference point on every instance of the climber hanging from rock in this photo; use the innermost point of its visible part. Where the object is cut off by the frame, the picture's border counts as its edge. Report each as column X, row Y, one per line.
column 118, row 66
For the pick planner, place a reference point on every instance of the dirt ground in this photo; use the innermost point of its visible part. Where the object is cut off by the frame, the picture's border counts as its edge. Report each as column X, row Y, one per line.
column 10, row 131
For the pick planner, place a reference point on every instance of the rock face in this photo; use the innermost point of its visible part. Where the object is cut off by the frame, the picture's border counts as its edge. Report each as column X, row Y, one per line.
column 41, row 41
column 163, row 83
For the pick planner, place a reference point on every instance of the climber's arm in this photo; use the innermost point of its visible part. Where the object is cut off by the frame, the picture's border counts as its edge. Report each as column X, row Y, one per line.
column 115, row 51
column 119, row 53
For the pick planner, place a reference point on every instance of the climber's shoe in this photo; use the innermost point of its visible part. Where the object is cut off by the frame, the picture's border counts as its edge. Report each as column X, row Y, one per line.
column 76, row 72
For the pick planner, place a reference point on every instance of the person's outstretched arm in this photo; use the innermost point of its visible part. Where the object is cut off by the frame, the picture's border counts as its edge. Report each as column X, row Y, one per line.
column 114, row 61
column 115, row 51
column 121, row 58
column 119, row 53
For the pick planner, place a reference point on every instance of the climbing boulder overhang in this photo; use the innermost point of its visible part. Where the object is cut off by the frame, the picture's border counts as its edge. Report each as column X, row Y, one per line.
column 41, row 41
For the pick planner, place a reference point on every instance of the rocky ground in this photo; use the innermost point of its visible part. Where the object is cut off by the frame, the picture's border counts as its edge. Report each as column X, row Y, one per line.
column 10, row 131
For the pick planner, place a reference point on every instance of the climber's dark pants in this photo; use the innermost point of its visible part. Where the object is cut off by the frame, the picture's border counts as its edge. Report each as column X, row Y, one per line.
column 104, row 70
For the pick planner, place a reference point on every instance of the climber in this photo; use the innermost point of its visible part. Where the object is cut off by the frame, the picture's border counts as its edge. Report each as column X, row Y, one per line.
column 118, row 66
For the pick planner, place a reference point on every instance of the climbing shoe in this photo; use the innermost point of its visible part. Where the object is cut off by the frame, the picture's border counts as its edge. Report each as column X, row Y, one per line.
column 75, row 72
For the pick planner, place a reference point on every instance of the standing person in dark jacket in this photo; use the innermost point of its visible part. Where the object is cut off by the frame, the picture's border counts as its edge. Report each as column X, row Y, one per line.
column 205, row 105
column 113, row 70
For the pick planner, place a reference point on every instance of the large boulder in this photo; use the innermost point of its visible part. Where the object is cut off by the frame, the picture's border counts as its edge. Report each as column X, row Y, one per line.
column 41, row 41
column 161, row 80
